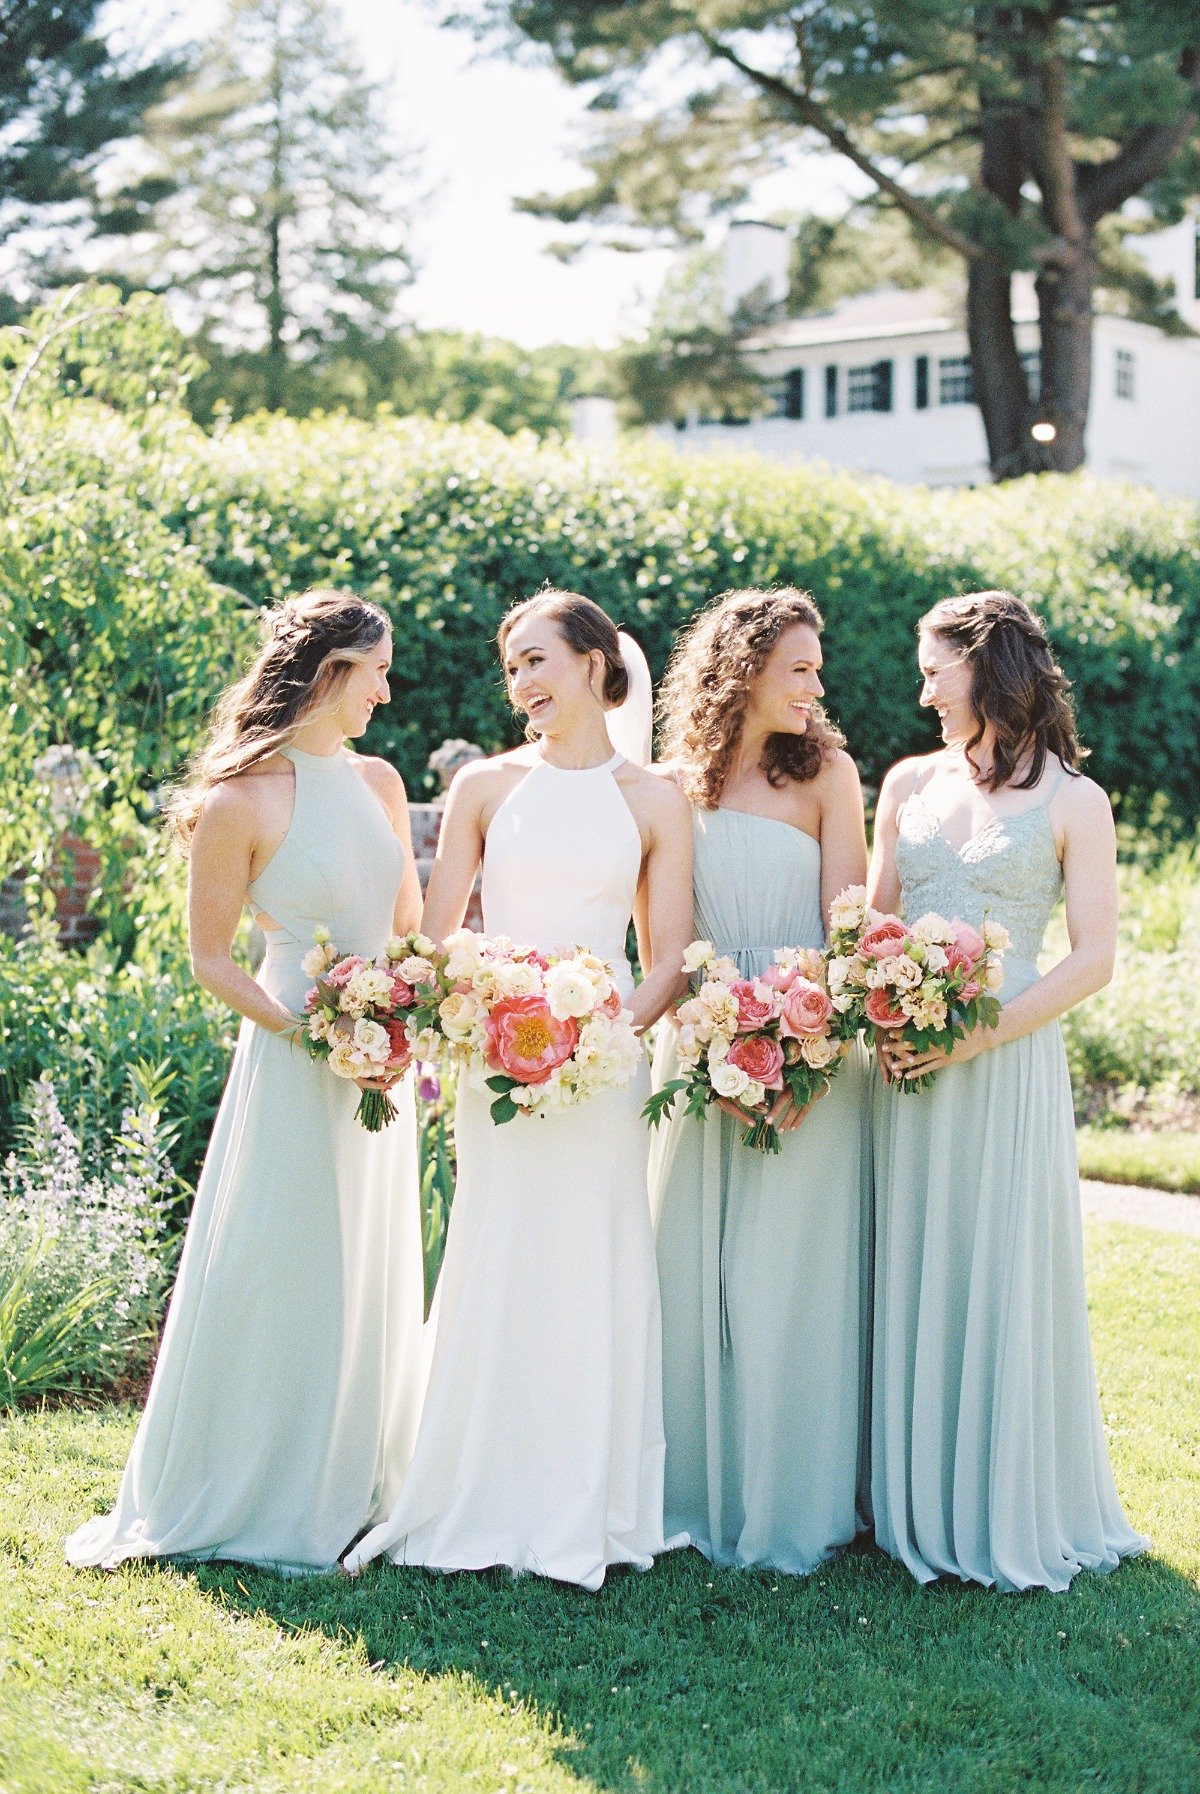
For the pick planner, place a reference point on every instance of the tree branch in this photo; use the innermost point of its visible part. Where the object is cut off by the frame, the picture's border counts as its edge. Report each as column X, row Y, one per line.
column 1105, row 186
column 813, row 114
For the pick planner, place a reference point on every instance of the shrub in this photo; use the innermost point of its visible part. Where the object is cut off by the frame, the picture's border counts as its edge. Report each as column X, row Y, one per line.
column 84, row 1259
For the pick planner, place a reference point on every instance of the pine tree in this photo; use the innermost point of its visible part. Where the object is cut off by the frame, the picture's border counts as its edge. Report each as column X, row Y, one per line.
column 1011, row 135
column 67, row 99
column 287, row 235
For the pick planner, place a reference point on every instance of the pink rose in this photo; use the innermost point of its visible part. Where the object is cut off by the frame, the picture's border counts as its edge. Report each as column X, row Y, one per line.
column 753, row 1011
column 526, row 1042
column 611, row 1006
column 886, row 938
column 760, row 1059
column 967, row 939
column 403, row 994
column 343, row 971
column 779, row 977
column 805, row 1010
column 880, row 1011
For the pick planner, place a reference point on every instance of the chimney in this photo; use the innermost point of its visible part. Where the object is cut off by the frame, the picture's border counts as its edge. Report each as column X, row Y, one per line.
column 756, row 264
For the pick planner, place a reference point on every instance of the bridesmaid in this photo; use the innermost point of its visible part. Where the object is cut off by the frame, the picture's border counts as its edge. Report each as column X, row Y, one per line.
column 541, row 1444
column 989, row 1458
column 284, row 1401
column 762, row 1259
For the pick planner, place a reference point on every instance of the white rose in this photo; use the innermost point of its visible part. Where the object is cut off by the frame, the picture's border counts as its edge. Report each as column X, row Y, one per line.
column 569, row 991
column 727, row 1080
column 996, row 937
column 754, row 1095
column 932, row 929
column 518, row 980
column 345, row 1059
column 368, row 985
column 718, row 1049
column 993, row 977
column 819, row 1050
column 839, row 970
column 458, row 1014
column 688, row 1042
column 371, row 1039
column 416, row 969
column 397, row 947
column 697, row 955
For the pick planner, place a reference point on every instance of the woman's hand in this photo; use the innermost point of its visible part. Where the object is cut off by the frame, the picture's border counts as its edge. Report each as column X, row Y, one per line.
column 785, row 1116
column 905, row 1063
column 384, row 1083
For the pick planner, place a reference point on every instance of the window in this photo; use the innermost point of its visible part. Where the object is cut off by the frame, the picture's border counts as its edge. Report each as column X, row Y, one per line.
column 793, row 396
column 956, row 383
column 831, row 392
column 921, row 388
column 869, row 388
column 1125, row 372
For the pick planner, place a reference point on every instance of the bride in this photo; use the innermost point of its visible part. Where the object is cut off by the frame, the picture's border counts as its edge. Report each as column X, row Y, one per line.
column 541, row 1443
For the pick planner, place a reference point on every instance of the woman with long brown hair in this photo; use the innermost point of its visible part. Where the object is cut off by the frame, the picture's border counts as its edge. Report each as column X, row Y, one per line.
column 285, row 1396
column 763, row 1259
column 988, row 1454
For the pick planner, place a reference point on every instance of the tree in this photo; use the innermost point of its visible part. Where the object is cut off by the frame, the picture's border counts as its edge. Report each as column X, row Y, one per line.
column 288, row 231
column 1010, row 135
column 67, row 100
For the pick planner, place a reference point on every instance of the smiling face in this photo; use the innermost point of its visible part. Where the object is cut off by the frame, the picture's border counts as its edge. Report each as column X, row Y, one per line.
column 788, row 683
column 363, row 686
column 946, row 680
column 547, row 680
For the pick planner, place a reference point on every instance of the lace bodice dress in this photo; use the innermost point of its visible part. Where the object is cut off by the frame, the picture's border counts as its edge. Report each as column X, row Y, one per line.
column 989, row 1459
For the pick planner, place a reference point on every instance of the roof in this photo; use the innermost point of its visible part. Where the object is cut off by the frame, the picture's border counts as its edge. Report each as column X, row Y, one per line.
column 889, row 311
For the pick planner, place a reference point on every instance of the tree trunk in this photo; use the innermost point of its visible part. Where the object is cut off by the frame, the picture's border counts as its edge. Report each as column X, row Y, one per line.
column 1065, row 290
column 276, row 309
column 1001, row 388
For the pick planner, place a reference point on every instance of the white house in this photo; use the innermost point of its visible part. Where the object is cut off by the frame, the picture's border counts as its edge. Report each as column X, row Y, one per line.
column 882, row 383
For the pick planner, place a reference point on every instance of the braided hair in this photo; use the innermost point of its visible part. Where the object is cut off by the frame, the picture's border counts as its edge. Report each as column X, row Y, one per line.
column 309, row 644
column 1017, row 686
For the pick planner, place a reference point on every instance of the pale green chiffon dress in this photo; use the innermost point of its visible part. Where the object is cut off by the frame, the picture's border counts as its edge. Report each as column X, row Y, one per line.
column 988, row 1449
column 763, row 1259
column 285, row 1398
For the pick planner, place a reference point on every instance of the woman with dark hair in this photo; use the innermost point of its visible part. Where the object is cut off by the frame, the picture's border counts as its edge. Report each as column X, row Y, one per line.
column 541, row 1442
column 988, row 1454
column 285, row 1396
column 763, row 1260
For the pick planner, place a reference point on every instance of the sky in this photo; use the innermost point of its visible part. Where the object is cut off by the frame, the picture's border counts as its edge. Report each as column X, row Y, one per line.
column 489, row 128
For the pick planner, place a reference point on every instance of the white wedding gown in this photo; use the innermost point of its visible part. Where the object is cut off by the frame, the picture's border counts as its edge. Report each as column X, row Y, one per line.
column 541, row 1442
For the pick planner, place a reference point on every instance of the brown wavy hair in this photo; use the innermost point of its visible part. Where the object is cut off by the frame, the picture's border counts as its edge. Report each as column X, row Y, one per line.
column 584, row 627
column 1017, row 686
column 310, row 643
column 707, row 688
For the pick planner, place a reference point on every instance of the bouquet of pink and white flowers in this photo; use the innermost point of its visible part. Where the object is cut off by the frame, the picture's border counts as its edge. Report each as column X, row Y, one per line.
column 363, row 1016
column 542, row 1031
column 928, row 983
column 748, row 1040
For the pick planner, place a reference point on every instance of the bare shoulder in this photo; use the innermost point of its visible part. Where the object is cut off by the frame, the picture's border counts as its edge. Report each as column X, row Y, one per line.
column 241, row 803
column 479, row 779
column 1081, row 802
column 655, row 790
column 838, row 775
column 901, row 779
column 381, row 776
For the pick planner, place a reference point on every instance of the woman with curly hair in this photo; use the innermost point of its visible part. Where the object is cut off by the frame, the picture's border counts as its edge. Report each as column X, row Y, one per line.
column 989, row 1460
column 762, row 1258
column 286, row 1393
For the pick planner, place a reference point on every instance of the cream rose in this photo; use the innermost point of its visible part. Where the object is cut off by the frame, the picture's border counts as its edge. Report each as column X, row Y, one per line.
column 729, row 1081
column 698, row 954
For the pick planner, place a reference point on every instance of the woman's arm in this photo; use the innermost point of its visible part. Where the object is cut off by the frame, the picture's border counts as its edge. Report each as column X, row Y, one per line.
column 459, row 850
column 218, row 874
column 1089, row 862
column 883, row 880
column 843, row 830
column 667, row 904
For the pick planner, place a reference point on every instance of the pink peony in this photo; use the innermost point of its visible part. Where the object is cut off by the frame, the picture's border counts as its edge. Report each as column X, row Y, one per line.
column 880, row 1011
column 967, row 939
column 753, row 1011
column 886, row 938
column 526, row 1042
column 760, row 1059
column 779, row 977
column 805, row 1010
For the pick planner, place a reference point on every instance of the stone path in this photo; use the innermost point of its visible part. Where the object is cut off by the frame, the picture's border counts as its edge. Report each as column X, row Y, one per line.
column 1142, row 1208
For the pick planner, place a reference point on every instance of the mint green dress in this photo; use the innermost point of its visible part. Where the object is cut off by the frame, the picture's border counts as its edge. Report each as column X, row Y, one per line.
column 988, row 1450
column 763, row 1259
column 285, row 1397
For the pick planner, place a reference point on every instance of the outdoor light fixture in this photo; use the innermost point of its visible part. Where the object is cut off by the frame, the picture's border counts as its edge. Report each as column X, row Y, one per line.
column 1043, row 430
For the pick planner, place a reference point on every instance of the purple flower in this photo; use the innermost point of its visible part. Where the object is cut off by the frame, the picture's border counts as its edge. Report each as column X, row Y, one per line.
column 429, row 1085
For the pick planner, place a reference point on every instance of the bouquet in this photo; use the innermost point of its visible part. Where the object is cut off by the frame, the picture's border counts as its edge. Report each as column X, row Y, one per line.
column 751, row 1039
column 929, row 983
column 542, row 1031
column 364, row 1016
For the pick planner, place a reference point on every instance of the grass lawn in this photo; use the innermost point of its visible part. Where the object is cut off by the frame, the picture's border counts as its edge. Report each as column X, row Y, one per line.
column 685, row 1679
column 1169, row 1160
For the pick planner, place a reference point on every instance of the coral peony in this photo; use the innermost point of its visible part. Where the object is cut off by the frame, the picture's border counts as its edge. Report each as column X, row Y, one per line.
column 760, row 1058
column 527, row 1042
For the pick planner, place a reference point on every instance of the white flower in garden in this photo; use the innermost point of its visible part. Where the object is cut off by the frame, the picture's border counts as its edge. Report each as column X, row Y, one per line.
column 697, row 955
column 524, row 1095
column 728, row 1080
column 569, row 991
column 718, row 1049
